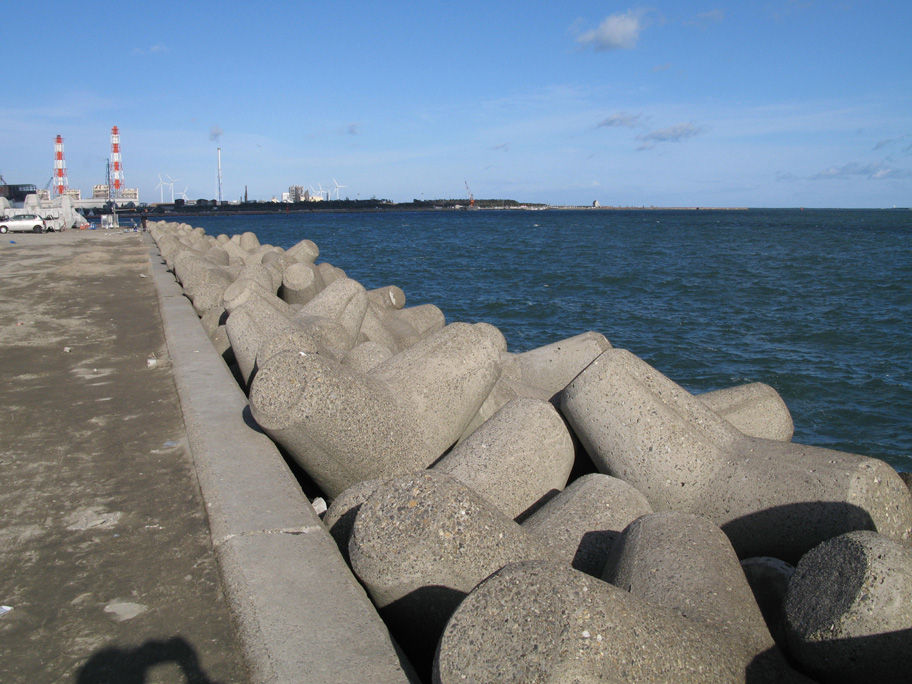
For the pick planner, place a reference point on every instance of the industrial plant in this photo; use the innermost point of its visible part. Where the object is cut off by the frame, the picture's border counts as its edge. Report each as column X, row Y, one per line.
column 113, row 190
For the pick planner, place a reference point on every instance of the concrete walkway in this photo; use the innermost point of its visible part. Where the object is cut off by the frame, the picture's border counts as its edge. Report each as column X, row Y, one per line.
column 149, row 532
column 107, row 571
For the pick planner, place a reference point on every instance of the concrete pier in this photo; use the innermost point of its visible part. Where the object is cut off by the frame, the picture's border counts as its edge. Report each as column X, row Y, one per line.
column 158, row 522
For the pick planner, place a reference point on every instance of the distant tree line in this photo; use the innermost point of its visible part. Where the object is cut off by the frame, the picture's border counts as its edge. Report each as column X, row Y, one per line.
column 203, row 205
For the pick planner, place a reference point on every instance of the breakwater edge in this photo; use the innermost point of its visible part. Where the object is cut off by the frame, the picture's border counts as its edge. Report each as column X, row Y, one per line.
column 467, row 481
column 814, row 303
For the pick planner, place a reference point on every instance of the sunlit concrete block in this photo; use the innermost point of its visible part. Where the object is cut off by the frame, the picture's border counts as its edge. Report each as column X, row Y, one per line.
column 848, row 609
column 420, row 543
column 300, row 283
column 583, row 522
column 340, row 426
column 540, row 621
column 686, row 563
column 442, row 380
column 756, row 409
column 552, row 366
column 770, row 497
column 520, row 455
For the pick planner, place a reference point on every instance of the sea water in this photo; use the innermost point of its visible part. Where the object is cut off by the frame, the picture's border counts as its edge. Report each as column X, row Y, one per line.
column 816, row 303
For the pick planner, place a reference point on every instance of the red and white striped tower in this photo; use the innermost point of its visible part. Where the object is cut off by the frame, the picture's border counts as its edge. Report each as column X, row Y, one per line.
column 60, row 177
column 116, row 168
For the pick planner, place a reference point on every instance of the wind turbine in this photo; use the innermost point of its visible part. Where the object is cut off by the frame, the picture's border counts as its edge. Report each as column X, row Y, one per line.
column 183, row 194
column 170, row 184
column 339, row 186
column 161, row 188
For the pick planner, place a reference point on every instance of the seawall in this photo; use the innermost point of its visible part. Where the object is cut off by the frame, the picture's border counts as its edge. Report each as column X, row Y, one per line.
column 407, row 424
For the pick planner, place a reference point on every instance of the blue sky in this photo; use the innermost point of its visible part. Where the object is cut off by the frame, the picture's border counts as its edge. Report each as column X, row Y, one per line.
column 767, row 103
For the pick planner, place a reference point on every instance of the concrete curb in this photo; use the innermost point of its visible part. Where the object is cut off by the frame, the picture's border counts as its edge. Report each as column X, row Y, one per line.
column 300, row 613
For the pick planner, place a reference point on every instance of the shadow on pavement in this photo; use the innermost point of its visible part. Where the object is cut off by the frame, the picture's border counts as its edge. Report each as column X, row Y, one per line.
column 130, row 665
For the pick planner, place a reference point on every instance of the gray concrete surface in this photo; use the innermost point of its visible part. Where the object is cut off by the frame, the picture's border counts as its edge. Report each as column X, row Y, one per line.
column 148, row 532
column 771, row 497
column 583, row 522
column 545, row 622
column 106, row 562
column 686, row 563
column 521, row 454
column 847, row 609
column 301, row 615
column 422, row 542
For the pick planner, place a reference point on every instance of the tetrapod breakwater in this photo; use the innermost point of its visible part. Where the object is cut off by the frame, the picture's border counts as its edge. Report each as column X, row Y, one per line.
column 566, row 513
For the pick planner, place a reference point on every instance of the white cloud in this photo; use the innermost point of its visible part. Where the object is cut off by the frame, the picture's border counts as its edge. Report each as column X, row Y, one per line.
column 703, row 19
column 622, row 119
column 872, row 171
column 616, row 32
column 675, row 133
column 889, row 141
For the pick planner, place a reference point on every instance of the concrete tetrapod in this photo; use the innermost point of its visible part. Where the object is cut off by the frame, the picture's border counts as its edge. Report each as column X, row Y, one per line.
column 366, row 356
column 252, row 323
column 756, row 409
column 771, row 498
column 305, row 251
column 339, row 426
column 552, row 366
column 339, row 518
column 540, row 621
column 373, row 330
column 386, row 298
column 420, row 543
column 299, row 283
column 424, row 318
column 686, row 563
column 583, row 522
column 442, row 380
column 344, row 301
column 769, row 578
column 848, row 610
column 203, row 281
column 522, row 453
column 343, row 427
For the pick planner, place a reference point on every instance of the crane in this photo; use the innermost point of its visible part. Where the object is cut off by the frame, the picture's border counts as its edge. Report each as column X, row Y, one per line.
column 471, row 196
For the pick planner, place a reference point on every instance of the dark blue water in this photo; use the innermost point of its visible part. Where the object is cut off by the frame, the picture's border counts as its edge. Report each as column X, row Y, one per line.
column 815, row 303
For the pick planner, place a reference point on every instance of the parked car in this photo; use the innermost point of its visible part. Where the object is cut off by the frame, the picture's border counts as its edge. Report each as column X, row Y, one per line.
column 22, row 223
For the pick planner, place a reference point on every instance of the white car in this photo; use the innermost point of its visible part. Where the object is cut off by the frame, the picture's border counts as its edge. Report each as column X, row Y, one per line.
column 23, row 223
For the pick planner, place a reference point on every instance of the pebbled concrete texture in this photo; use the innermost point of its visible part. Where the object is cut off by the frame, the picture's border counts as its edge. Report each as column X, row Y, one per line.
column 106, row 561
column 515, row 458
column 770, row 497
column 365, row 424
column 768, row 579
column 686, row 563
column 420, row 543
column 847, row 609
column 337, row 425
column 545, row 622
column 282, row 572
column 756, row 409
column 583, row 522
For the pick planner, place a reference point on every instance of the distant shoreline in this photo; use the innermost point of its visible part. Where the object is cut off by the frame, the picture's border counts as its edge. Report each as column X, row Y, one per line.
column 407, row 207
column 166, row 212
